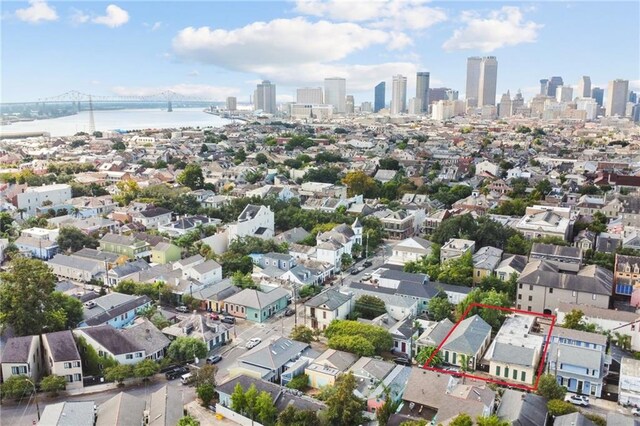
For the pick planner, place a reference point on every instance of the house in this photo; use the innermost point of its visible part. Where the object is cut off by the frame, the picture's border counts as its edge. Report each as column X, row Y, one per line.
column 280, row 261
column 33, row 197
column 213, row 296
column 567, row 259
column 327, row 306
column 468, row 340
column 292, row 236
column 207, row 272
column 331, row 245
column 522, row 409
column 399, row 225
column 166, row 407
column 152, row 218
column 269, row 361
column 626, row 276
column 545, row 221
column 255, row 221
column 410, row 250
column 485, row 261
column 585, row 241
column 22, row 356
column 369, row 373
column 629, row 384
column 75, row 268
column 110, row 342
column 439, row 398
column 392, row 278
column 125, row 245
column 213, row 334
column 434, row 219
column 39, row 248
column 542, row 287
column 121, row 409
column 147, row 335
column 163, row 253
column 514, row 354
column 116, row 309
column 579, row 360
column 485, row 167
column 125, row 271
column 61, row 357
column 513, row 264
column 93, row 206
column 398, row 306
column 187, row 224
column 402, row 332
column 573, row 419
column 255, row 305
column 326, row 368
column 456, row 247
column 608, row 243
column 82, row 413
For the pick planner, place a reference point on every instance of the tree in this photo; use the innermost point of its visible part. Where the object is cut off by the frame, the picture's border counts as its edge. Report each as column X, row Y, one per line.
column 251, row 398
column 300, row 382
column 549, row 388
column 492, row 420
column 389, row 164
column 302, row 333
column 243, row 280
column 188, row 421
column 191, row 176
column 205, row 392
column 206, row 375
column 575, row 321
column 598, row 420
column 463, row 419
column 72, row 239
column 261, row 158
column 369, row 307
column 343, row 407
column 387, row 409
column 346, row 261
column 238, row 400
column 374, row 335
column 323, row 175
column 118, row 373
column 266, row 411
column 16, row 387
column 291, row 416
column 128, row 191
column 355, row 344
column 425, row 353
column 358, row 183
column 25, row 298
column 72, row 308
column 118, row 146
column 53, row 384
column 186, row 348
column 558, row 407
column 146, row 369
column 457, row 271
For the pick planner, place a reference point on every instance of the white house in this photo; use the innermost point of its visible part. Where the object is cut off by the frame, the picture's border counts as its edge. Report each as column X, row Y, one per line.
column 108, row 341
column 410, row 250
column 254, row 221
column 629, row 385
column 22, row 356
column 209, row 272
column 34, row 197
column 487, row 167
column 152, row 218
column 333, row 244
column 328, row 306
column 61, row 357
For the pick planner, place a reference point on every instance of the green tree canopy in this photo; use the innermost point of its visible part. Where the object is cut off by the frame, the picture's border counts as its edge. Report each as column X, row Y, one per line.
column 192, row 177
column 343, row 407
column 549, row 388
column 72, row 239
column 369, row 307
column 376, row 336
column 558, row 407
column 439, row 307
column 16, row 386
column 302, row 333
column 118, row 373
column 186, row 348
column 145, row 369
column 53, row 384
column 425, row 353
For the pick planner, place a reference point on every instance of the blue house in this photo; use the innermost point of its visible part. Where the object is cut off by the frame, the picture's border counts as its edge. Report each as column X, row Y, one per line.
column 579, row 361
column 116, row 309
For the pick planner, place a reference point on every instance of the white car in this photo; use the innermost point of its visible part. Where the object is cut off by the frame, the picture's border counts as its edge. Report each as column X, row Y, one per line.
column 253, row 343
column 577, row 400
column 635, row 411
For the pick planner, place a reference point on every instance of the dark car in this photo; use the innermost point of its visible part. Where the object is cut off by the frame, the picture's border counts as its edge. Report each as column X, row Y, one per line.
column 354, row 271
column 402, row 361
column 228, row 320
column 176, row 372
column 214, row 359
column 367, row 263
column 289, row 312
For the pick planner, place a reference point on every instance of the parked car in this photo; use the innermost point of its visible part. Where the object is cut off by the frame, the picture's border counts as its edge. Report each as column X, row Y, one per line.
column 214, row 359
column 176, row 372
column 289, row 312
column 186, row 379
column 253, row 343
column 635, row 411
column 366, row 277
column 577, row 400
column 214, row 316
column 228, row 320
column 367, row 263
column 182, row 309
column 402, row 361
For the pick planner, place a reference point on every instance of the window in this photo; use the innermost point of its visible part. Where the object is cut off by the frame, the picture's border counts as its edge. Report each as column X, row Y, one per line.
column 519, row 297
column 506, row 372
column 523, row 376
column 520, row 286
column 77, row 377
column 69, row 378
column 478, row 274
column 550, row 290
column 529, row 308
column 519, row 306
column 593, row 297
column 67, row 365
column 324, row 315
column 530, row 287
column 19, row 370
column 255, row 315
column 138, row 354
column 530, row 298
column 497, row 370
column 515, row 374
column 129, row 356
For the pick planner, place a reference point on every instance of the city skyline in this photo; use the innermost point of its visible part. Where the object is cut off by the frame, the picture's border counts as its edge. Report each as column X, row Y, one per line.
column 212, row 50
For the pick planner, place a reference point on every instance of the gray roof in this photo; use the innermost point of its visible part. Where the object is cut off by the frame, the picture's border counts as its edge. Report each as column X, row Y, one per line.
column 590, row 279
column 249, row 212
column 81, row 263
column 573, row 419
column 120, row 239
column 468, row 336
column 274, row 355
column 392, row 274
column 166, row 406
column 245, row 383
column 111, row 339
column 16, row 350
column 257, row 299
column 579, row 335
column 292, row 235
column 129, row 268
column 69, row 413
column 504, row 352
column 413, row 289
column 62, row 345
column 122, row 409
column 155, row 212
column 106, row 312
column 577, row 355
column 522, row 409
column 89, row 253
column 617, row 419
column 330, row 298
column 147, row 335
column 515, row 261
column 555, row 250
column 339, row 360
column 487, row 258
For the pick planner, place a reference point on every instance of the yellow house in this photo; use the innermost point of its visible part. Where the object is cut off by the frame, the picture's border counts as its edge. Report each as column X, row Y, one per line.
column 327, row 367
column 485, row 261
column 164, row 253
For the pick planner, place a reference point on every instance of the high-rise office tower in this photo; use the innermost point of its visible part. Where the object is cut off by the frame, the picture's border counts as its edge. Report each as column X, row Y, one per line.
column 232, row 103
column 399, row 94
column 452, row 95
column 488, row 81
column 438, row 94
column 564, row 94
column 366, row 107
column 544, row 86
column 598, row 94
column 350, row 104
column 422, row 91
column 633, row 97
column 264, row 97
column 379, row 93
column 335, row 93
column 309, row 95
column 584, row 87
column 617, row 95
column 505, row 107
column 635, row 113
column 554, row 82
column 473, row 80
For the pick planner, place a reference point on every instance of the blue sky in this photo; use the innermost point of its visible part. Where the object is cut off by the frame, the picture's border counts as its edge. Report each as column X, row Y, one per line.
column 215, row 49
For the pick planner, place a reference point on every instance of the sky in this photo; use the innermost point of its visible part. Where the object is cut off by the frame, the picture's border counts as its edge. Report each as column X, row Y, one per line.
column 215, row 49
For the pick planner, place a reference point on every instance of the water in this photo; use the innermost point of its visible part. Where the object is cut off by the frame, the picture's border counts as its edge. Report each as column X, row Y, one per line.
column 125, row 119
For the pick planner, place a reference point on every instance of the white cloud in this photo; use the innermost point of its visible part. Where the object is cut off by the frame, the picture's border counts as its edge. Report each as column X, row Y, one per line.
column 280, row 43
column 37, row 11
column 193, row 73
column 405, row 14
column 156, row 26
column 202, row 91
column 79, row 17
column 115, row 17
column 504, row 27
column 633, row 85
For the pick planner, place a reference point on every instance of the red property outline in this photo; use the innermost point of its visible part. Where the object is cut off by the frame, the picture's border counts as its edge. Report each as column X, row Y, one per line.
column 484, row 379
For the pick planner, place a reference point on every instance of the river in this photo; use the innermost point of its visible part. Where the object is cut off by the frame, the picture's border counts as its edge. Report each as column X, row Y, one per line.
column 124, row 119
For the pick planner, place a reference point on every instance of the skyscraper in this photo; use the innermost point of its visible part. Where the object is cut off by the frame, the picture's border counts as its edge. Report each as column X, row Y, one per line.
column 232, row 103
column 399, row 94
column 264, row 97
column 350, row 104
column 473, row 80
column 505, row 106
column 584, row 87
column 564, row 94
column 633, row 97
column 598, row 94
column 544, row 86
column 438, row 94
column 488, row 81
column 309, row 95
column 422, row 91
column 335, row 93
column 379, row 93
column 617, row 94
column 554, row 82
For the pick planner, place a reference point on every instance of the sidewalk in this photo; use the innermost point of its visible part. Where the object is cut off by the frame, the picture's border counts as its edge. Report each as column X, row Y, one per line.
column 206, row 417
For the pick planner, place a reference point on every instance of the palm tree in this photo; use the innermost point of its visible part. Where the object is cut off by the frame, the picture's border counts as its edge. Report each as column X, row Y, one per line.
column 622, row 340
column 75, row 212
column 21, row 211
column 464, row 365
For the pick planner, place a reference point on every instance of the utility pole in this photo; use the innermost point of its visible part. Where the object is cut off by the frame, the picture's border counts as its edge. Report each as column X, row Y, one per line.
column 35, row 394
column 366, row 255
